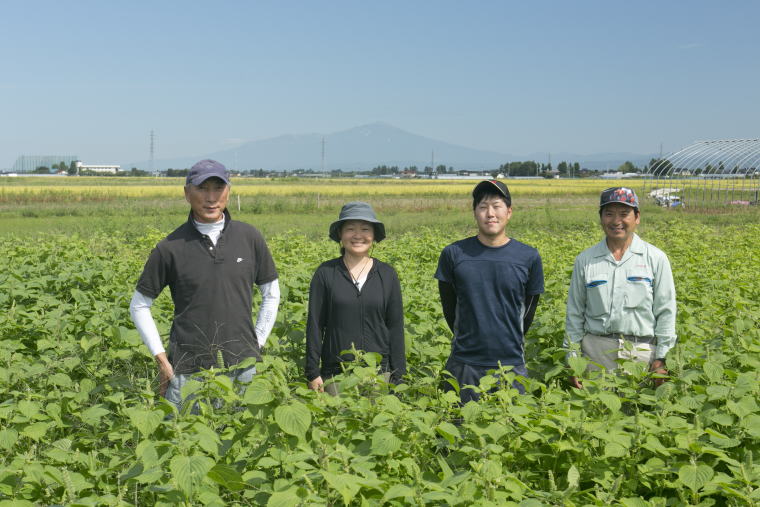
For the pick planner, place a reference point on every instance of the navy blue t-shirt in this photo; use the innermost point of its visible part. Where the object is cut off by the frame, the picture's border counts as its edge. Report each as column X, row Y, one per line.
column 491, row 284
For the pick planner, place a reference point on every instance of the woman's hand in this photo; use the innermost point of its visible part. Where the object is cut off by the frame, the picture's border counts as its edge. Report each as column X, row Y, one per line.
column 317, row 385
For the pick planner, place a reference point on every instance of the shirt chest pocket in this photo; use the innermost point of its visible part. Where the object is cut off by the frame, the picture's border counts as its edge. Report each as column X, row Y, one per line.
column 597, row 294
column 638, row 289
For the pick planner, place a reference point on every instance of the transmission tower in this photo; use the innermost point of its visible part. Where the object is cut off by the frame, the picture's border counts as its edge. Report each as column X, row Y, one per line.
column 323, row 153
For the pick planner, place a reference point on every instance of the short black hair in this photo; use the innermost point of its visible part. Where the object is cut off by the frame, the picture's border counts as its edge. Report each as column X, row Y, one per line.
column 480, row 196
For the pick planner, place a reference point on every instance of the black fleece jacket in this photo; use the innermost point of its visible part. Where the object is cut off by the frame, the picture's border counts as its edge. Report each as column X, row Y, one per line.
column 341, row 315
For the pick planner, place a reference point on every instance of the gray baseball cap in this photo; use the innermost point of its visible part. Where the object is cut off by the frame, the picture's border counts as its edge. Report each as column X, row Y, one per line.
column 206, row 169
column 357, row 210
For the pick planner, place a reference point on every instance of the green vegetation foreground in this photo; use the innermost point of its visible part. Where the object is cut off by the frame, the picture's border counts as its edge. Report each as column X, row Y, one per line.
column 81, row 424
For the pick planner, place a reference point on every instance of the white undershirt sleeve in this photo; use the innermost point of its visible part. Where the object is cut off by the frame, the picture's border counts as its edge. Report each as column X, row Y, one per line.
column 270, row 300
column 139, row 309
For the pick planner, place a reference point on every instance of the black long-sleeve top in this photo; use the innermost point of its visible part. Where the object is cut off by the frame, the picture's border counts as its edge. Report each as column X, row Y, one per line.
column 341, row 315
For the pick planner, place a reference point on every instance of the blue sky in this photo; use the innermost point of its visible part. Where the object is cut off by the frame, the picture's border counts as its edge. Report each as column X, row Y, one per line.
column 92, row 78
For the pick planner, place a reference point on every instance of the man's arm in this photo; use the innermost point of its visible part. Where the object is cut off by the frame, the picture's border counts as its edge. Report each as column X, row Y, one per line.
column 448, row 302
column 139, row 309
column 531, row 303
column 270, row 301
column 664, row 308
column 575, row 315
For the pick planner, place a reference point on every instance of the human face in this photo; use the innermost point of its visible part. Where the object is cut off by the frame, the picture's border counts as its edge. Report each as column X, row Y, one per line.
column 492, row 216
column 619, row 221
column 208, row 200
column 357, row 236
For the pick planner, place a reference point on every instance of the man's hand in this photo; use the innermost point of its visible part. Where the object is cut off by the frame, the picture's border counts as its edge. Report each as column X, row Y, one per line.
column 317, row 385
column 575, row 382
column 659, row 368
column 165, row 372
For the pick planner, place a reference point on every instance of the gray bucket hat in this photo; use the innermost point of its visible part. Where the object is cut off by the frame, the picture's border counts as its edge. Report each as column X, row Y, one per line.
column 357, row 211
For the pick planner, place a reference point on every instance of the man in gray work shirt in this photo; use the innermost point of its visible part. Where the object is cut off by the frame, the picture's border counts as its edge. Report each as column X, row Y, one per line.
column 622, row 300
column 210, row 264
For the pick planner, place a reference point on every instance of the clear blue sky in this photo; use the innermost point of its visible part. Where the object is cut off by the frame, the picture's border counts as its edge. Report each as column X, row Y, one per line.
column 92, row 78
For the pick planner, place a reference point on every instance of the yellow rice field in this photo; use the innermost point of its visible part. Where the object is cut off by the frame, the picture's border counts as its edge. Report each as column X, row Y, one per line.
column 108, row 188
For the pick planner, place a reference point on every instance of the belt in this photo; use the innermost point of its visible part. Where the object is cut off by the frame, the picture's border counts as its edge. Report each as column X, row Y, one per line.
column 632, row 338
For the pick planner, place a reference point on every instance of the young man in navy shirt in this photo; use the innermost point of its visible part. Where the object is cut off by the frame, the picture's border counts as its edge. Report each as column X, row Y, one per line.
column 489, row 286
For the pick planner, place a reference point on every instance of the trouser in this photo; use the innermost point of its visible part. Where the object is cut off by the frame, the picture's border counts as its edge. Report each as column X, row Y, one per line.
column 468, row 374
column 333, row 388
column 173, row 392
column 606, row 350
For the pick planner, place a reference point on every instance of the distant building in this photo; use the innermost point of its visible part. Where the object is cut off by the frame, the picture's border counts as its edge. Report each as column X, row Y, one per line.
column 97, row 168
column 618, row 176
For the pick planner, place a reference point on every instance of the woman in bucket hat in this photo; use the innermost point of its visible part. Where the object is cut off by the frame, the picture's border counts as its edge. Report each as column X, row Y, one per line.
column 354, row 301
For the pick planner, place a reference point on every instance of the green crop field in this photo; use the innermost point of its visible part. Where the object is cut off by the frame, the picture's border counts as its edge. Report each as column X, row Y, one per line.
column 81, row 423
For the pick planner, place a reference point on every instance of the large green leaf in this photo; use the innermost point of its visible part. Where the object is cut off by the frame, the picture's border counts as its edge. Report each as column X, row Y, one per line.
column 573, row 476
column 751, row 425
column 207, row 438
column 448, row 431
column 188, row 471
column 294, row 419
column 614, row 450
column 36, row 431
column 384, row 442
column 258, row 393
column 345, row 484
column 94, row 414
column 695, row 476
column 713, row 371
column 398, row 491
column 146, row 421
column 577, row 364
column 8, row 438
column 288, row 498
column 227, row 476
column 610, row 400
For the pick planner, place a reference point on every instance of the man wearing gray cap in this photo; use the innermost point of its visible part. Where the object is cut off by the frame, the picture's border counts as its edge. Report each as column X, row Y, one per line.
column 210, row 264
column 622, row 301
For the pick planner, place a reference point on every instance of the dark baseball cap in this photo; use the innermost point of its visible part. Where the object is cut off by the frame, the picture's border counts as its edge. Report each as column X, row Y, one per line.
column 491, row 187
column 206, row 169
column 623, row 195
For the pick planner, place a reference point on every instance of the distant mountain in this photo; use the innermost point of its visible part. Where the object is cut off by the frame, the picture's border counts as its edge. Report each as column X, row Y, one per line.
column 365, row 147
column 359, row 148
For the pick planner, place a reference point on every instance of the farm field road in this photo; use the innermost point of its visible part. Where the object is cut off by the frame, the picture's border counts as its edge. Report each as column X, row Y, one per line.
column 81, row 423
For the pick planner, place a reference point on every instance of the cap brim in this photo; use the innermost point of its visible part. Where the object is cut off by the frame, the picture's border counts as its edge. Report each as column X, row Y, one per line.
column 632, row 205
column 197, row 180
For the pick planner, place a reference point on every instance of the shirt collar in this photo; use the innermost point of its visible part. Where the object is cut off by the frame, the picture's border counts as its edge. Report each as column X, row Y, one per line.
column 227, row 219
column 636, row 247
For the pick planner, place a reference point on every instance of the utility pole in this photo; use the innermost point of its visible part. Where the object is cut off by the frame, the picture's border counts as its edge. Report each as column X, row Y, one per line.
column 152, row 148
column 323, row 154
